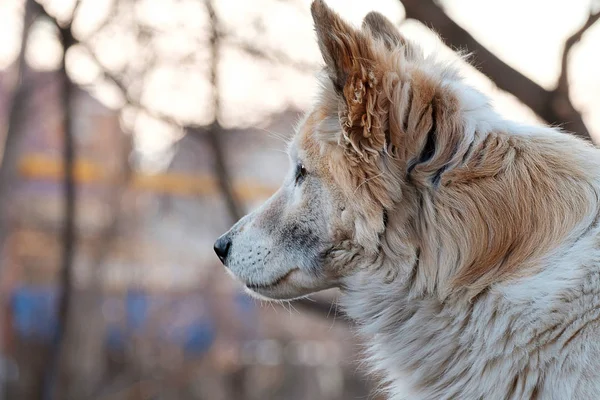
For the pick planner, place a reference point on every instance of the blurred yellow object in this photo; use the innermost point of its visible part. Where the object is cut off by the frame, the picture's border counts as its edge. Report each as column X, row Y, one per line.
column 43, row 167
column 36, row 166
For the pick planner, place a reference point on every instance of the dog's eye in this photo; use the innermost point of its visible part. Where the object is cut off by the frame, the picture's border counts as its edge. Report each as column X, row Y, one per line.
column 300, row 173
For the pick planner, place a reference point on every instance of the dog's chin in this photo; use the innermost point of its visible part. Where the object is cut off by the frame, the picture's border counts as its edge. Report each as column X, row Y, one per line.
column 293, row 285
column 277, row 293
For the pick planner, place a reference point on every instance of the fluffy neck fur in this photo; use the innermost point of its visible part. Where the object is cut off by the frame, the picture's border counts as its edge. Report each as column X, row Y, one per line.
column 509, row 343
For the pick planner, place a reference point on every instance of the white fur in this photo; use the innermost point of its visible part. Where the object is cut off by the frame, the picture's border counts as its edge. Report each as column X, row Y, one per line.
column 514, row 333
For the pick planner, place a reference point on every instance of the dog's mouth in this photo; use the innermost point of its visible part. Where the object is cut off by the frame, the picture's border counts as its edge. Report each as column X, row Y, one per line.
column 272, row 284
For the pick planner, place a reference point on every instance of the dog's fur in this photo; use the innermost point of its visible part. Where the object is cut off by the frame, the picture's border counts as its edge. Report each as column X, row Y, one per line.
column 466, row 247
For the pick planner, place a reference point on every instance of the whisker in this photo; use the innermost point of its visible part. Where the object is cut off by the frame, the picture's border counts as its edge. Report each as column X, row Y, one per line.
column 288, row 309
column 277, row 150
column 276, row 135
column 333, row 304
column 293, row 308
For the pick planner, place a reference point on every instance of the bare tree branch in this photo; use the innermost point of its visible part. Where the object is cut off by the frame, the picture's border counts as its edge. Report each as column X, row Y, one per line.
column 75, row 11
column 115, row 79
column 16, row 116
column 9, row 152
column 129, row 99
column 563, row 80
column 275, row 56
column 69, row 222
column 62, row 362
column 551, row 106
column 215, row 132
column 84, row 362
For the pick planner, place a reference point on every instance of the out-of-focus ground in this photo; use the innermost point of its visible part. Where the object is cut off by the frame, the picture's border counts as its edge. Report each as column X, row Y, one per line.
column 152, row 313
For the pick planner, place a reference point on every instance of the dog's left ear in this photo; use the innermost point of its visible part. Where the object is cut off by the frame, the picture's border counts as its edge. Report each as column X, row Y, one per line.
column 344, row 48
column 353, row 62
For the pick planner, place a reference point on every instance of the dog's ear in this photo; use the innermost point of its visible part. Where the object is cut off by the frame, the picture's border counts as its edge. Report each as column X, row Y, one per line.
column 354, row 62
column 343, row 47
column 381, row 28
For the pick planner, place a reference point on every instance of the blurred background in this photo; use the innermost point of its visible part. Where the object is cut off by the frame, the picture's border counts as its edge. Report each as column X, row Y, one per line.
column 134, row 132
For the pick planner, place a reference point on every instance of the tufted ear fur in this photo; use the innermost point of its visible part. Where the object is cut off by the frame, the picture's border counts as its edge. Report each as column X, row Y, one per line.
column 356, row 66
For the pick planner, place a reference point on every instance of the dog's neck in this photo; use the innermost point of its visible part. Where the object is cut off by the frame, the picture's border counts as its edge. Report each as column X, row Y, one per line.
column 428, row 348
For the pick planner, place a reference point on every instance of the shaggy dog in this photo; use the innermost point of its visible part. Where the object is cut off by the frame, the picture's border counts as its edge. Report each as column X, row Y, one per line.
column 466, row 246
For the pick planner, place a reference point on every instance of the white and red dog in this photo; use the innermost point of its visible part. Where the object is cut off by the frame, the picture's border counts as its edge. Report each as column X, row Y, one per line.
column 466, row 246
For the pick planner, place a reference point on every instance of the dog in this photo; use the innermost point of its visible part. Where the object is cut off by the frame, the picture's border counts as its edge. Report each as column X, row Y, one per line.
column 465, row 246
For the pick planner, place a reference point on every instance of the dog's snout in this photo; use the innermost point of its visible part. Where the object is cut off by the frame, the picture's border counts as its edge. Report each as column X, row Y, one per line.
column 222, row 246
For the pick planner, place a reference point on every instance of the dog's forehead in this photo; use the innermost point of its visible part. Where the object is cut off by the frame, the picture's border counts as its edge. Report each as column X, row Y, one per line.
column 306, row 144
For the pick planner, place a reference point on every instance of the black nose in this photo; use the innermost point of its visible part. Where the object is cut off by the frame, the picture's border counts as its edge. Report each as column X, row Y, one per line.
column 222, row 246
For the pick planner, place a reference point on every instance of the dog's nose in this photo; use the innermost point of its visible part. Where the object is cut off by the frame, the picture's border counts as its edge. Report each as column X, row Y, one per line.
column 222, row 246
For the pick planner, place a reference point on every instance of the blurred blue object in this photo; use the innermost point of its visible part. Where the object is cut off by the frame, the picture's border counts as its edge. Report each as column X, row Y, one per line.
column 245, row 304
column 245, row 308
column 34, row 312
column 199, row 337
column 184, row 321
column 137, row 309
column 115, row 338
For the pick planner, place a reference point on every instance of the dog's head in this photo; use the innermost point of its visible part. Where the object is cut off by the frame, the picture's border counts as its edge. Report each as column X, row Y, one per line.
column 399, row 160
column 330, row 212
